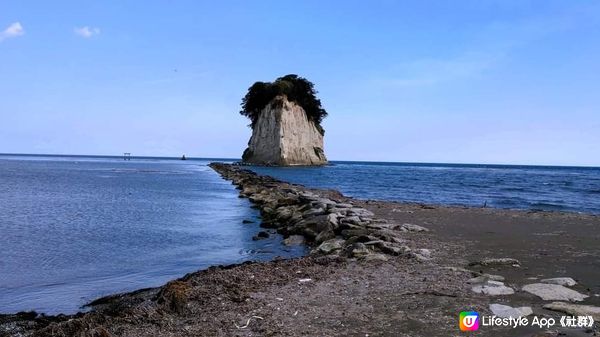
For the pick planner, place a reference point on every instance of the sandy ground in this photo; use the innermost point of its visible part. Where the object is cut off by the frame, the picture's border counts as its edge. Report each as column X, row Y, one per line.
column 324, row 296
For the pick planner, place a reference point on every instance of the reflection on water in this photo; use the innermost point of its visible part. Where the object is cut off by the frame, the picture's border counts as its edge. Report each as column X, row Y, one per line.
column 73, row 229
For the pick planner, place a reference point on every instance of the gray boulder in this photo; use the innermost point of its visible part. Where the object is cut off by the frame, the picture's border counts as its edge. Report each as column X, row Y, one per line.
column 331, row 246
column 562, row 281
column 493, row 288
column 505, row 311
column 294, row 240
column 359, row 250
column 575, row 309
column 554, row 292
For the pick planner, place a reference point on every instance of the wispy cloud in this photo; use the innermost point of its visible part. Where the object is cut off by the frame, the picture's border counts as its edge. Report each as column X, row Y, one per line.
column 14, row 30
column 86, row 32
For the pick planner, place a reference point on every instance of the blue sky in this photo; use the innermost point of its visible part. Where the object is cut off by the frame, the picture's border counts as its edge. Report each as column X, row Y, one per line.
column 511, row 82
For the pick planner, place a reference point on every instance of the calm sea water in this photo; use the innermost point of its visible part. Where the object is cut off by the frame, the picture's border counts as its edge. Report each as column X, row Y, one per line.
column 73, row 229
column 574, row 189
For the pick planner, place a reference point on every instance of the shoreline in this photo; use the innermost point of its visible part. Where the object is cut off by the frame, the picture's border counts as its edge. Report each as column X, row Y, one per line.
column 407, row 254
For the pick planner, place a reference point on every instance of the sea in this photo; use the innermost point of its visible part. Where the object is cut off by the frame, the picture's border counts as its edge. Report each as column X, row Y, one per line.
column 75, row 228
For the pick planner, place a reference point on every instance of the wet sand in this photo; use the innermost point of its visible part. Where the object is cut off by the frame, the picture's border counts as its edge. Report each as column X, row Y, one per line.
column 332, row 295
column 548, row 244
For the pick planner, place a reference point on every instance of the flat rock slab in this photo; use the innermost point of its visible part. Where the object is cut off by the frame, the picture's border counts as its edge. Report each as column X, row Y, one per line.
column 505, row 311
column 407, row 227
column 493, row 288
column 575, row 309
column 563, row 281
column 554, row 292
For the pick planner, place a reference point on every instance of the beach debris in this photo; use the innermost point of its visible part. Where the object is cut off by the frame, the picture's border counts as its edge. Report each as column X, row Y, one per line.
column 505, row 311
column 562, row 281
column 575, row 309
column 554, row 292
column 247, row 322
column 304, row 280
column 493, row 288
column 503, row 261
column 174, row 296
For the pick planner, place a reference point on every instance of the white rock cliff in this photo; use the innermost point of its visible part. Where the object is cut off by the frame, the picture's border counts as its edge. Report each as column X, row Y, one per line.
column 284, row 136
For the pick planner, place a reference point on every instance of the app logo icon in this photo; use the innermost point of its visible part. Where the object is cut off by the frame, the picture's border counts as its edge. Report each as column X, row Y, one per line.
column 468, row 321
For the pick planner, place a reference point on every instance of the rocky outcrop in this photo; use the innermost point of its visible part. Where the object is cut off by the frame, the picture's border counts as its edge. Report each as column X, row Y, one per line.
column 283, row 135
column 330, row 227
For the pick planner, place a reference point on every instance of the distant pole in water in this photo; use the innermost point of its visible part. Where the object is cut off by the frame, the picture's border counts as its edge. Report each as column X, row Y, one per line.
column 126, row 156
column 183, row 157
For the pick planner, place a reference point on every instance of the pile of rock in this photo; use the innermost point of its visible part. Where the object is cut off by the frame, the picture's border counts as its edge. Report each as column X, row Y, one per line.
column 331, row 227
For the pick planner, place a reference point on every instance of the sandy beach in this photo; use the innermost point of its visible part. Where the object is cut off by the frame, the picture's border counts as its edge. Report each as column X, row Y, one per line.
column 387, row 279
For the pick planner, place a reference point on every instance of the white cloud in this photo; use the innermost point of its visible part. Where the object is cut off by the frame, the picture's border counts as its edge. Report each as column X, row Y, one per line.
column 86, row 32
column 11, row 31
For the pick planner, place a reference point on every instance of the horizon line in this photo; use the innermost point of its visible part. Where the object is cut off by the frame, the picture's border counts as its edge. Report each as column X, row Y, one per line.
column 337, row 160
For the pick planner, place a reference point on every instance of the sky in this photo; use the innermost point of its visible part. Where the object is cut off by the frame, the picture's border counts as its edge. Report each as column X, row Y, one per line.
column 471, row 81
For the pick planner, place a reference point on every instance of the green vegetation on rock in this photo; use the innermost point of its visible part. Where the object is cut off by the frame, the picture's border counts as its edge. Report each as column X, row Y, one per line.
column 295, row 88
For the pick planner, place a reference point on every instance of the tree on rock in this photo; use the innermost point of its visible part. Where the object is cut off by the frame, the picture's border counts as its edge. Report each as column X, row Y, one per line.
column 297, row 89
